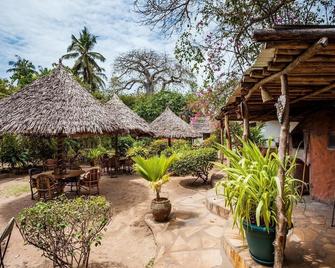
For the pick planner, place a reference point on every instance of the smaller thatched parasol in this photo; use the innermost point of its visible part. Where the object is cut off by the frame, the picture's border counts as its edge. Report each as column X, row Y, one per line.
column 169, row 125
column 55, row 105
column 132, row 122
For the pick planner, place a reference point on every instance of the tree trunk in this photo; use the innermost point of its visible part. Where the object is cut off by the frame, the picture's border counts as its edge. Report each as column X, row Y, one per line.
column 279, row 243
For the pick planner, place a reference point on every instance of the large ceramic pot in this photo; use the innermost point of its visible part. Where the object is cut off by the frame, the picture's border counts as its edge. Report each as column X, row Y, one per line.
column 260, row 243
column 161, row 209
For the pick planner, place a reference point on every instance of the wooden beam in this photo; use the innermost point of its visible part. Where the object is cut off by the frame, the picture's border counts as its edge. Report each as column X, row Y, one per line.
column 310, row 52
column 263, row 35
column 315, row 93
column 281, row 229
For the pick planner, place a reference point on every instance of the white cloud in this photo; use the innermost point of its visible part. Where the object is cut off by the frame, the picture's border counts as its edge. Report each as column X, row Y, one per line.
column 40, row 30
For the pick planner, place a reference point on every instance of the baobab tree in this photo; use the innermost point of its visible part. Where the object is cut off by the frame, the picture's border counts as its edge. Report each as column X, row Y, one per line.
column 148, row 71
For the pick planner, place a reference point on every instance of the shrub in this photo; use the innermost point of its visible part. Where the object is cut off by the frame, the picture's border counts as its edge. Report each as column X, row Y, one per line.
column 12, row 151
column 65, row 229
column 158, row 146
column 211, row 141
column 124, row 143
column 197, row 163
column 138, row 151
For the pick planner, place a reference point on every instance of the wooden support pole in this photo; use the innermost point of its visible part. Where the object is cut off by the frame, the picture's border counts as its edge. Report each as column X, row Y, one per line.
column 227, row 131
column 221, row 138
column 246, row 127
column 169, row 142
column 60, row 166
column 281, row 226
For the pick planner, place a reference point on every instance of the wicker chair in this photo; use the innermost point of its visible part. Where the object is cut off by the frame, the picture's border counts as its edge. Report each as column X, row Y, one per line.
column 32, row 181
column 47, row 187
column 4, row 240
column 90, row 181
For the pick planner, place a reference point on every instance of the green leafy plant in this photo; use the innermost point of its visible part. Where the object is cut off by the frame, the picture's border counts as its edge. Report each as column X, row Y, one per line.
column 138, row 151
column 154, row 170
column 196, row 162
column 65, row 229
column 12, row 151
column 95, row 153
column 252, row 185
column 158, row 146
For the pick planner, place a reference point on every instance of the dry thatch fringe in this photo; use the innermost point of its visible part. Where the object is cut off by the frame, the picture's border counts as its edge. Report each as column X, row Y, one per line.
column 131, row 121
column 202, row 125
column 169, row 125
column 55, row 104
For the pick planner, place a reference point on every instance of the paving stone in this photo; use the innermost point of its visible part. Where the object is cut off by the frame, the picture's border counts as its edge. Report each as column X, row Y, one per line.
column 215, row 231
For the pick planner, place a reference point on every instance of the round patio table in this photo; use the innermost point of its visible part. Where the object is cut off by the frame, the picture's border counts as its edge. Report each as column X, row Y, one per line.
column 71, row 176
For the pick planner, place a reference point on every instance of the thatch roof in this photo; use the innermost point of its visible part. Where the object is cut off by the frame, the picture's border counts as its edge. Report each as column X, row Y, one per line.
column 169, row 125
column 130, row 120
column 55, row 104
column 202, row 125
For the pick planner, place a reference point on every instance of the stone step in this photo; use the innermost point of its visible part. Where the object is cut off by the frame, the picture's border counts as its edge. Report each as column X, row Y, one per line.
column 216, row 205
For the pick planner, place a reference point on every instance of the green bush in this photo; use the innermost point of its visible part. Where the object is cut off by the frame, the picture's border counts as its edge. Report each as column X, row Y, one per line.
column 138, row 151
column 124, row 143
column 196, row 162
column 12, row 151
column 211, row 141
column 65, row 229
column 158, row 146
column 39, row 149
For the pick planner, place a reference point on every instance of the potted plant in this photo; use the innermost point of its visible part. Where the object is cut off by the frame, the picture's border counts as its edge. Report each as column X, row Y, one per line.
column 251, row 190
column 94, row 154
column 155, row 170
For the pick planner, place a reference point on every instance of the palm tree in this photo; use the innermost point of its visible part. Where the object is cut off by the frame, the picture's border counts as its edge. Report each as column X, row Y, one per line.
column 85, row 65
column 23, row 71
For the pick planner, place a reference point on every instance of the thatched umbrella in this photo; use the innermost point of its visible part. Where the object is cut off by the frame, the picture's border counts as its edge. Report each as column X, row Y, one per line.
column 55, row 105
column 132, row 122
column 169, row 125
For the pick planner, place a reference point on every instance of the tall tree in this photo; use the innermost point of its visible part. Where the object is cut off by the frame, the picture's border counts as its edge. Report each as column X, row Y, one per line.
column 216, row 36
column 23, row 71
column 148, row 71
column 6, row 88
column 86, row 66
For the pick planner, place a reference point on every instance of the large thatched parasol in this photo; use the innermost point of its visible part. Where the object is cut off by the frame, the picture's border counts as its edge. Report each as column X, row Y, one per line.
column 55, row 105
column 169, row 125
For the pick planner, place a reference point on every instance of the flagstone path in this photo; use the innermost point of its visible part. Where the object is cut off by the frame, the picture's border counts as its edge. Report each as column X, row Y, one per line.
column 192, row 237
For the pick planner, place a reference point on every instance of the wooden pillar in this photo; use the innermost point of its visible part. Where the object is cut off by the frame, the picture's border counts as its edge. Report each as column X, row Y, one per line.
column 169, row 142
column 280, row 240
column 60, row 166
column 245, row 115
column 116, row 148
column 227, row 131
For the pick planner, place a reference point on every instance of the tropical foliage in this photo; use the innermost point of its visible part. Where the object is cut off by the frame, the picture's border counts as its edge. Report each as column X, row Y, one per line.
column 195, row 162
column 65, row 229
column 22, row 70
column 86, row 66
column 154, row 170
column 252, row 185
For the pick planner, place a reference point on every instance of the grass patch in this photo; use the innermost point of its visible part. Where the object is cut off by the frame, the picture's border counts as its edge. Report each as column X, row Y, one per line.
column 15, row 190
column 150, row 264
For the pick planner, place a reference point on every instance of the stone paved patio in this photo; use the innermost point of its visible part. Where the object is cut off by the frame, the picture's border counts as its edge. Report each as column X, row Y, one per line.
column 192, row 238
column 311, row 243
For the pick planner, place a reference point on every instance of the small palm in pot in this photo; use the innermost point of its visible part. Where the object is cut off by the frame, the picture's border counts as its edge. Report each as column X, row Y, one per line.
column 155, row 170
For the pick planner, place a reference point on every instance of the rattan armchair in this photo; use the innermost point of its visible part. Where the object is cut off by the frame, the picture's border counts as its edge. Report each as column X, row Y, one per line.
column 32, row 181
column 90, row 181
column 47, row 187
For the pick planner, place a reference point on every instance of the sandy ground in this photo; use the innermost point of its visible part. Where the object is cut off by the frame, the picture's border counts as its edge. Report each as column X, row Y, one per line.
column 127, row 242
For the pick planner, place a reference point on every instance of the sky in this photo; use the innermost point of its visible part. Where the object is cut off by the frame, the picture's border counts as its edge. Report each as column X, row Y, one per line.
column 40, row 30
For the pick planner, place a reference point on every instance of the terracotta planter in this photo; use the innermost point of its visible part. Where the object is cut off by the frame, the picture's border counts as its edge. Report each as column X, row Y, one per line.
column 161, row 209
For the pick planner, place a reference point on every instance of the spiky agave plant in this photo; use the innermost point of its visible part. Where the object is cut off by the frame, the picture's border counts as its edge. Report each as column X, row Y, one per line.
column 154, row 170
column 252, row 185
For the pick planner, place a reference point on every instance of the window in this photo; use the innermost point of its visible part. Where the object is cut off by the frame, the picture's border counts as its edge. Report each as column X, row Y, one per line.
column 331, row 140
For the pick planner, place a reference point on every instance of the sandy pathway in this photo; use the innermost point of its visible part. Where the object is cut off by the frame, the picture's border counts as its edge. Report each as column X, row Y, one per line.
column 127, row 243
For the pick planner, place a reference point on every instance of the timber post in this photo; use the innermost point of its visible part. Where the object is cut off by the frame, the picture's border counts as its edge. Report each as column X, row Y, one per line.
column 281, row 226
column 245, row 116
column 227, row 131
column 221, row 138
